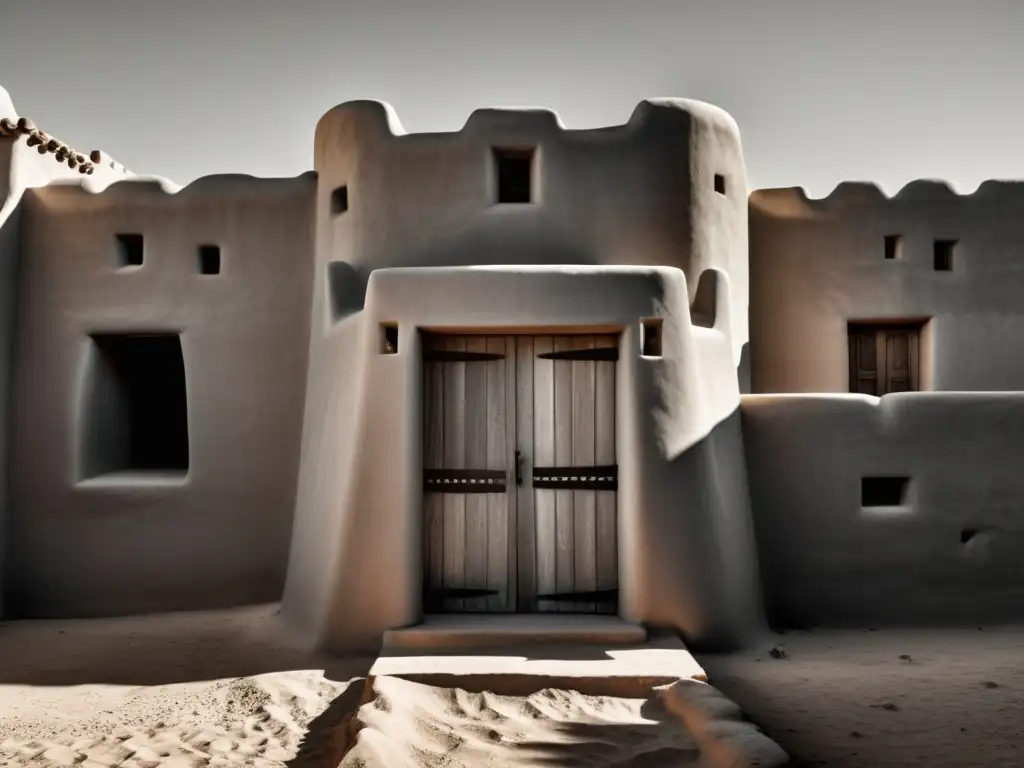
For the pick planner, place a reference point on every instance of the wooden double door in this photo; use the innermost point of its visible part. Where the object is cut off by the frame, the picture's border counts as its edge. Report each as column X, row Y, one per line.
column 520, row 474
column 884, row 358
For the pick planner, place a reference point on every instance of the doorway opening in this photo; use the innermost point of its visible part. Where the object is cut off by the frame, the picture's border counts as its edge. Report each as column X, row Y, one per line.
column 520, row 474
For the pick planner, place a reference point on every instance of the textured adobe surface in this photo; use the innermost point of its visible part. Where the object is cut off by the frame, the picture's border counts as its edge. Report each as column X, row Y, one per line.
column 817, row 264
column 420, row 209
column 949, row 554
column 143, row 541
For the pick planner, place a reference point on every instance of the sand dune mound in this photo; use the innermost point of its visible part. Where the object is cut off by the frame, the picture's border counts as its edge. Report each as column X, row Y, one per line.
column 257, row 721
column 688, row 723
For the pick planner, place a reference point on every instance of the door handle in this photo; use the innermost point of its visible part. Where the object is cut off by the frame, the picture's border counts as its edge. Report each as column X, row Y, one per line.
column 519, row 469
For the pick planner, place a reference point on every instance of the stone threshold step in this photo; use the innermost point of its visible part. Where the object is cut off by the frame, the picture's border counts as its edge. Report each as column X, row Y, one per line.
column 489, row 630
column 631, row 670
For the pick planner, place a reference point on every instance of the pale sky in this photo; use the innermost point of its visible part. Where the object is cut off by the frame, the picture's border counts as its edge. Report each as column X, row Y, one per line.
column 823, row 90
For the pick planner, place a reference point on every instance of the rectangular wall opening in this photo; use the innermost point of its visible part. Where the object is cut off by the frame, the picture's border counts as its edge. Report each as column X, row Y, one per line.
column 885, row 357
column 135, row 413
column 514, row 171
column 129, row 250
column 346, row 288
column 893, row 247
column 339, row 200
column 883, row 491
column 209, row 259
column 650, row 337
column 944, row 251
column 389, row 339
column 719, row 183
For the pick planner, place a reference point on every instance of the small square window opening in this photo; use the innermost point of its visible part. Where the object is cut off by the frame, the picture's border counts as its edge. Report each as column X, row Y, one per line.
column 209, row 259
column 389, row 339
column 129, row 250
column 339, row 200
column 514, row 170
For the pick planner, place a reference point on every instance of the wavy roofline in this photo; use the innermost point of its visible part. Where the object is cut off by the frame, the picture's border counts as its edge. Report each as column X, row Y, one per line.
column 388, row 116
column 151, row 184
column 924, row 190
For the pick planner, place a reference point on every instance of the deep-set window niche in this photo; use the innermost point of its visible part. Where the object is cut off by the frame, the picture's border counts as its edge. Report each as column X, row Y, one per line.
column 650, row 337
column 719, row 183
column 883, row 491
column 514, row 168
column 339, row 200
column 129, row 250
column 134, row 409
column 389, row 338
column 885, row 357
column 893, row 247
column 209, row 259
column 704, row 309
column 945, row 250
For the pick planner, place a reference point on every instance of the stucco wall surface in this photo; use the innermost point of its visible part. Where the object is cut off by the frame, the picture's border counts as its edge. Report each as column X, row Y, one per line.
column 421, row 209
column 24, row 168
column 217, row 536
column 951, row 554
column 642, row 193
column 817, row 264
column 686, row 547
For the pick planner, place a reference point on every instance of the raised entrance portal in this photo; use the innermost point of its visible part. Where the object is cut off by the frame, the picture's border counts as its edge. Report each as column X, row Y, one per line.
column 520, row 474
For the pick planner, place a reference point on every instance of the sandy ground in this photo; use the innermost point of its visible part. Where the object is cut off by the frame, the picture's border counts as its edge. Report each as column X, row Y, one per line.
column 192, row 689
column 410, row 725
column 227, row 688
column 943, row 698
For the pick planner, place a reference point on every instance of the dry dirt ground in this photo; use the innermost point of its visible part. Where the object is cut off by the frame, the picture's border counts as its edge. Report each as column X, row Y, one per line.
column 228, row 688
column 943, row 698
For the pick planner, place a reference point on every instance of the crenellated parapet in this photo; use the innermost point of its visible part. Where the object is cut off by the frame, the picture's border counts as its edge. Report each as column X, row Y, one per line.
column 855, row 196
column 927, row 257
column 667, row 188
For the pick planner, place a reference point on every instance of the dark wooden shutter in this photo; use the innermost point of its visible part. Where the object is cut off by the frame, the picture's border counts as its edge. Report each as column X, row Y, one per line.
column 884, row 360
column 864, row 374
column 900, row 345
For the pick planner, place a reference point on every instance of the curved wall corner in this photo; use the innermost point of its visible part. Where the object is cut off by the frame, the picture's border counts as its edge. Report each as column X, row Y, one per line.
column 22, row 168
column 695, row 535
column 10, row 257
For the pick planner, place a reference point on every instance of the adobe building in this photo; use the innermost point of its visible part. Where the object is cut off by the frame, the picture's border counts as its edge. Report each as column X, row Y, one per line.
column 510, row 369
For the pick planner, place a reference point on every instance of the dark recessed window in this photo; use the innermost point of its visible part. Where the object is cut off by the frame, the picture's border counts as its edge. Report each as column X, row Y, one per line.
column 129, row 250
column 650, row 337
column 346, row 289
column 885, row 358
column 704, row 309
column 136, row 412
column 515, row 175
column 893, row 246
column 339, row 200
column 883, row 491
column 719, row 183
column 944, row 255
column 389, row 339
column 209, row 259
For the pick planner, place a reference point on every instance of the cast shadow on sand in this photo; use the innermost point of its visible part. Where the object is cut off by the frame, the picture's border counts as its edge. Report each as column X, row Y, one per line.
column 160, row 650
